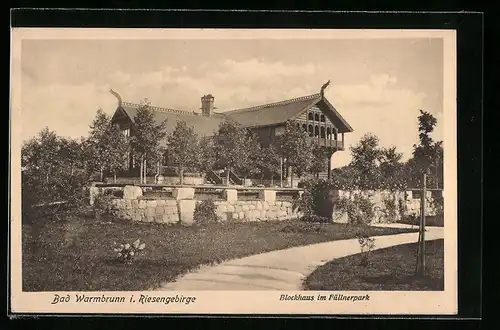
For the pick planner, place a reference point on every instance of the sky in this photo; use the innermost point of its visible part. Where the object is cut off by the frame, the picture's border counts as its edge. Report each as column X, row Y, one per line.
column 378, row 86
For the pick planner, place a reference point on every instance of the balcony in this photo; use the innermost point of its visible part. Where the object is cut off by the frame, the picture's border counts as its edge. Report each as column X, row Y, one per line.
column 335, row 144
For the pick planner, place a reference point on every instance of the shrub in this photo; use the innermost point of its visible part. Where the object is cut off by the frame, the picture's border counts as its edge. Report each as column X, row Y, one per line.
column 315, row 201
column 390, row 211
column 103, row 205
column 204, row 212
column 366, row 244
column 126, row 252
column 359, row 209
column 61, row 194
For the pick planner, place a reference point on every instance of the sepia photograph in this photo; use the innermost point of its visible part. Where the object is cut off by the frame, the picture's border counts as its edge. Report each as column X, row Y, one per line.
column 233, row 171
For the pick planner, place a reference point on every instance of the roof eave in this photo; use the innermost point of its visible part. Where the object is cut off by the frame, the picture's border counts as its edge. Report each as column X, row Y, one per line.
column 348, row 128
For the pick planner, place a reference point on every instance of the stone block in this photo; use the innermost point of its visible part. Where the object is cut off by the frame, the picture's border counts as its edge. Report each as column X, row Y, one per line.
column 230, row 195
column 142, row 204
column 128, row 204
column 222, row 208
column 170, row 218
column 170, row 209
column 259, row 205
column 186, row 210
column 137, row 217
column 230, row 208
column 171, row 202
column 339, row 216
column 183, row 193
column 256, row 214
column 245, row 208
column 248, row 215
column 94, row 192
column 160, row 210
column 286, row 204
column 148, row 218
column 241, row 215
column 251, row 207
column 160, row 202
column 132, row 192
column 149, row 212
column 151, row 203
column 158, row 218
column 267, row 195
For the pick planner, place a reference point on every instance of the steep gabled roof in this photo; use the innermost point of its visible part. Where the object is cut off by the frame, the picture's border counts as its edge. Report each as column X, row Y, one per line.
column 272, row 113
column 202, row 125
column 257, row 116
column 279, row 112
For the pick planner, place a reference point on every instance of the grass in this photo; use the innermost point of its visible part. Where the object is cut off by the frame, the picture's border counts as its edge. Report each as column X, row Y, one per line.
column 389, row 269
column 77, row 254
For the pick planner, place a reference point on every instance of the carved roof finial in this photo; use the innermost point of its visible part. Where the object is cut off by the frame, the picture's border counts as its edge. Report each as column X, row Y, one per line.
column 324, row 87
column 118, row 97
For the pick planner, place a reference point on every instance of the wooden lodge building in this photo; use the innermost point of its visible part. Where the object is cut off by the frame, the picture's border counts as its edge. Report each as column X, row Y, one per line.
column 313, row 113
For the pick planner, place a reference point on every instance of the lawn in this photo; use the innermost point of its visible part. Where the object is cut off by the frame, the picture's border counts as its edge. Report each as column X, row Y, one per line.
column 390, row 269
column 77, row 255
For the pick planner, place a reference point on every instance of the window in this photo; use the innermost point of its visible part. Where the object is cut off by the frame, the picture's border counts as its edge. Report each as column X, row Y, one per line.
column 316, row 117
column 310, row 116
column 329, row 133
column 126, row 132
column 323, row 118
column 323, row 132
column 304, row 127
column 310, row 130
column 316, row 131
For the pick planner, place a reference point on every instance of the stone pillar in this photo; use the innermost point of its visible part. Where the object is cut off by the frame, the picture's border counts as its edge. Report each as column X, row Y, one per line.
column 132, row 192
column 267, row 195
column 231, row 195
column 186, row 211
column 183, row 193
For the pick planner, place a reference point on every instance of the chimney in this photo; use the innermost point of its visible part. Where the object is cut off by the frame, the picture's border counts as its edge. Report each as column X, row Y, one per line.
column 207, row 105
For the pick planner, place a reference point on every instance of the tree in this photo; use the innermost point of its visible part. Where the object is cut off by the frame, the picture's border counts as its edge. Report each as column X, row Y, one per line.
column 119, row 147
column 97, row 148
column 365, row 161
column 427, row 155
column 268, row 161
column 296, row 147
column 319, row 160
column 53, row 175
column 247, row 163
column 230, row 142
column 206, row 158
column 41, row 154
column 148, row 137
column 183, row 148
column 106, row 148
column 391, row 169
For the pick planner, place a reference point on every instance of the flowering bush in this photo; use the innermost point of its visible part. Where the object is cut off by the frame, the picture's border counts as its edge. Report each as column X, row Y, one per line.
column 125, row 252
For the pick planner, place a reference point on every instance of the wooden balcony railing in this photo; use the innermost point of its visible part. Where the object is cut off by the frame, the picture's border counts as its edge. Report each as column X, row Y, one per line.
column 336, row 144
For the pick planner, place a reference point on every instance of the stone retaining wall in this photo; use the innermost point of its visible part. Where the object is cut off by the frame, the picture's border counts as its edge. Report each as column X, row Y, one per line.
column 407, row 203
column 180, row 208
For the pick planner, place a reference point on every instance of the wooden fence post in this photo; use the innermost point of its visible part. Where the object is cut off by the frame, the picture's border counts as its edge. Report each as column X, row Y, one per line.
column 421, row 249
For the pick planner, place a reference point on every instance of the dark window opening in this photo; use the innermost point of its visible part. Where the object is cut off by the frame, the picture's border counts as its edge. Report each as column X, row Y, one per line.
column 310, row 116
column 316, row 117
column 323, row 132
column 323, row 118
column 316, row 131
